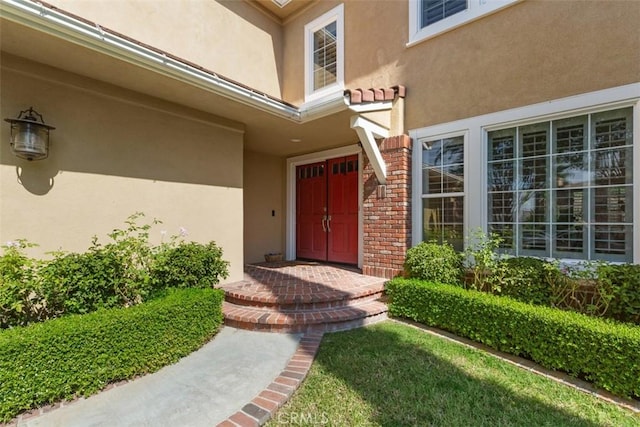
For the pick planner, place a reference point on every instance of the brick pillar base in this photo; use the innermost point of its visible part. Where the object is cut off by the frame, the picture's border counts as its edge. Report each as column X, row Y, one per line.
column 387, row 210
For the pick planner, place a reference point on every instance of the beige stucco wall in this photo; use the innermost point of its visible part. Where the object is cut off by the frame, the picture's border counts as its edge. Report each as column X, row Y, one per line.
column 264, row 205
column 114, row 153
column 229, row 37
column 530, row 52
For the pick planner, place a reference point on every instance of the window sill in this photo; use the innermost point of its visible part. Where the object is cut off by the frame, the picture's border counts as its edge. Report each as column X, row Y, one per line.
column 324, row 95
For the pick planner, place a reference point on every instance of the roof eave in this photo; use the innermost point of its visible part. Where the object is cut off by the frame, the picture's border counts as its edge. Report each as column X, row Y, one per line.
column 55, row 22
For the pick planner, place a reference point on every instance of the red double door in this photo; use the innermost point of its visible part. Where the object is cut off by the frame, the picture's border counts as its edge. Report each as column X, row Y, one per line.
column 327, row 210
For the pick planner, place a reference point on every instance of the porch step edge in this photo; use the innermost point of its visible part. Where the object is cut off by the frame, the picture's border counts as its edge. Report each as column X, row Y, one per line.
column 325, row 319
column 303, row 302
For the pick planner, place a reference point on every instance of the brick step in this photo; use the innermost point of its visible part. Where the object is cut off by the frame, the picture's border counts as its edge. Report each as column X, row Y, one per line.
column 355, row 314
column 288, row 297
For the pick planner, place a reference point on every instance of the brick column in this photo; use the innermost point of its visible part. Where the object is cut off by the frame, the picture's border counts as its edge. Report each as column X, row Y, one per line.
column 387, row 210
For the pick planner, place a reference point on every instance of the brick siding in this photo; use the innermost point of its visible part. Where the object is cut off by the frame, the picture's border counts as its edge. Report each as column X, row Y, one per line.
column 387, row 210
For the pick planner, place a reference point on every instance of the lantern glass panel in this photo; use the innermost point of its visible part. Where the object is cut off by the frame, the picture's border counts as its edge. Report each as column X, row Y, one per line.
column 30, row 141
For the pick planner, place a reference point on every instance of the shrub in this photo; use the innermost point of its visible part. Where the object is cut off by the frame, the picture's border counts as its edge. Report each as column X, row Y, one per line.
column 129, row 249
column 79, row 355
column 81, row 283
column 624, row 282
column 483, row 262
column 189, row 265
column 601, row 351
column 120, row 273
column 20, row 302
column 580, row 289
column 434, row 262
column 528, row 279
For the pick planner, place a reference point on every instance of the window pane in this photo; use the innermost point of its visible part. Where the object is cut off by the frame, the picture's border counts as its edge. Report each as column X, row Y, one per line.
column 534, row 140
column 569, row 233
column 532, row 206
column 534, row 239
column 571, row 170
column 505, row 232
column 436, row 10
column 533, row 173
column 569, row 241
column 453, row 179
column 443, row 220
column 501, row 176
column 570, row 134
column 613, row 166
column 443, row 166
column 613, row 242
column 325, row 56
column 613, row 129
column 453, row 151
column 431, row 181
column 570, row 206
column 502, row 144
column 501, row 207
column 432, row 153
column 611, row 204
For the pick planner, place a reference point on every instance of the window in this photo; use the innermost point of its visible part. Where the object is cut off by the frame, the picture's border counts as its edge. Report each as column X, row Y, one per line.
column 429, row 18
column 433, row 11
column 564, row 188
column 324, row 55
column 554, row 179
column 443, row 191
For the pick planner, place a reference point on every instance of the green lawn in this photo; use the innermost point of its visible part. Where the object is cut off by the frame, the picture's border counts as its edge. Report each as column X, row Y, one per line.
column 391, row 374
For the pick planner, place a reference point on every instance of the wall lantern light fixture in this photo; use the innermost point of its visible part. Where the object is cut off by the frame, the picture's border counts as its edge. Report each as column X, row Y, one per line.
column 29, row 135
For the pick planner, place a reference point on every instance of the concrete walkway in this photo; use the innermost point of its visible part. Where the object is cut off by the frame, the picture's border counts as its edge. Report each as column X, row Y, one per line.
column 202, row 389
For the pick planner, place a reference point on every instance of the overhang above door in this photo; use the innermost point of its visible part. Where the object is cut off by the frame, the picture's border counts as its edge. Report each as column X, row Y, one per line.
column 380, row 115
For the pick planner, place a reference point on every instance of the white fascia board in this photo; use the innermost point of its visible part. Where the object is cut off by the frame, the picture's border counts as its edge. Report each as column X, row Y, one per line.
column 367, row 131
column 371, row 107
column 323, row 107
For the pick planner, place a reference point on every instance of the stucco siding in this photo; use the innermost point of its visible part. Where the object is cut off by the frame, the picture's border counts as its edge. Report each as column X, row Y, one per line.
column 529, row 52
column 263, row 205
column 232, row 38
column 114, row 153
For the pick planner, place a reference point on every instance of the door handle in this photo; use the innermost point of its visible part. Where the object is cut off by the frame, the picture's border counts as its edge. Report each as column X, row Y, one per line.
column 329, row 223
column 324, row 226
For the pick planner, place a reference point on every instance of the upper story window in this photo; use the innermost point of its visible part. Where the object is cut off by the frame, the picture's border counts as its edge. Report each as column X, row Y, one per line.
column 324, row 54
column 429, row 18
column 433, row 11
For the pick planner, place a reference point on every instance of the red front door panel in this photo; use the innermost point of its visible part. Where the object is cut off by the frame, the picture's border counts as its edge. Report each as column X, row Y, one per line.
column 311, row 205
column 343, row 210
column 327, row 210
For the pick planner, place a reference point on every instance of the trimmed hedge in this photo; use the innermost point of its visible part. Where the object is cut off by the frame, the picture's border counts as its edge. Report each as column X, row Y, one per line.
column 601, row 351
column 80, row 354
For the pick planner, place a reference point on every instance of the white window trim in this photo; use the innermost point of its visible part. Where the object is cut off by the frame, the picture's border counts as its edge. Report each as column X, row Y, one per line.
column 476, row 10
column 477, row 127
column 305, row 159
column 336, row 14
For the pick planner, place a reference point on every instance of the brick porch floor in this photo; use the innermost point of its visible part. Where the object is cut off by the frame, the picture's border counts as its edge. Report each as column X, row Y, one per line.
column 303, row 296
